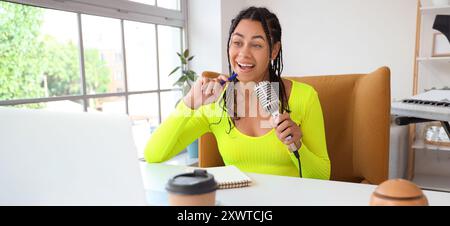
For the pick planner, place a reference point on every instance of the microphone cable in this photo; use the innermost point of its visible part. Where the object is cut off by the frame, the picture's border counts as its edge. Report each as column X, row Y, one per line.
column 297, row 155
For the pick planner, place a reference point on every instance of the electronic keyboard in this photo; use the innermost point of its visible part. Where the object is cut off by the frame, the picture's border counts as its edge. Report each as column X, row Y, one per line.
column 433, row 105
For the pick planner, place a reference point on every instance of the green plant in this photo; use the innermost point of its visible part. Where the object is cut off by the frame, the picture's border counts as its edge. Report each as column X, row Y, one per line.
column 34, row 65
column 188, row 76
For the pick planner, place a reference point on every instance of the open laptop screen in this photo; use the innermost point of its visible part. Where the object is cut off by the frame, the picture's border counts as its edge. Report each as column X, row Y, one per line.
column 53, row 158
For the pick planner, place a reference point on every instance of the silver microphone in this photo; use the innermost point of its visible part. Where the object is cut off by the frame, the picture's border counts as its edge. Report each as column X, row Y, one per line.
column 269, row 101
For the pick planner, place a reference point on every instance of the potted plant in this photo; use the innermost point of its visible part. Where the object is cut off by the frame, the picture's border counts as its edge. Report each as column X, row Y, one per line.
column 185, row 82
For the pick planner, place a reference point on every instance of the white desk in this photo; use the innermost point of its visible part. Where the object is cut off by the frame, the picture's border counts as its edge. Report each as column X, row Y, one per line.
column 268, row 190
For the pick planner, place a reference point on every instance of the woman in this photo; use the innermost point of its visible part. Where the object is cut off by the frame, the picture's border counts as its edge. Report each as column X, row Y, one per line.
column 246, row 139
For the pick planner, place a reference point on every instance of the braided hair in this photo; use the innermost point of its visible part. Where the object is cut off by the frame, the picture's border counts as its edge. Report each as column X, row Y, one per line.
column 272, row 30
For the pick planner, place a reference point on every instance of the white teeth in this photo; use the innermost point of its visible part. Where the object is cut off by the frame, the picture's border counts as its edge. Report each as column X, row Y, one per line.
column 245, row 65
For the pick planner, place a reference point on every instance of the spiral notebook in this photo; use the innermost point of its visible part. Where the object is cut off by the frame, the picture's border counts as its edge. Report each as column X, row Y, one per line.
column 227, row 176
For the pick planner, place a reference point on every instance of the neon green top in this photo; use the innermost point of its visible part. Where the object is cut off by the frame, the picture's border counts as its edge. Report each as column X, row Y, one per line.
column 265, row 154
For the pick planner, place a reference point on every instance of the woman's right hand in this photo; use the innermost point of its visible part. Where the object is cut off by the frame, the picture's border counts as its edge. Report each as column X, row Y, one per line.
column 204, row 91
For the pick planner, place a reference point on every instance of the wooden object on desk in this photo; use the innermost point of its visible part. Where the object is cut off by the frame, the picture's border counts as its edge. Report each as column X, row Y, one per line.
column 398, row 192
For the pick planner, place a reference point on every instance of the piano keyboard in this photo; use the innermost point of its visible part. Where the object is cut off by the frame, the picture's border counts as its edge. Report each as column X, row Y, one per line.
column 426, row 109
column 427, row 102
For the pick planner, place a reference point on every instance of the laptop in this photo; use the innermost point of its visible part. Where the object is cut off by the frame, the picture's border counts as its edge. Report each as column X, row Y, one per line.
column 56, row 158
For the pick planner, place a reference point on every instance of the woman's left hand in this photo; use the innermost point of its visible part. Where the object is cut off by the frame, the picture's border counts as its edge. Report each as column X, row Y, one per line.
column 284, row 127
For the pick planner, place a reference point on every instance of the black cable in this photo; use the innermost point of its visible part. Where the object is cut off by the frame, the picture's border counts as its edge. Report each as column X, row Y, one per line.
column 299, row 164
column 297, row 156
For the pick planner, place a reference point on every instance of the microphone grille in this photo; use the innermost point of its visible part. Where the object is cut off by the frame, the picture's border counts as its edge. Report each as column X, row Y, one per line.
column 267, row 97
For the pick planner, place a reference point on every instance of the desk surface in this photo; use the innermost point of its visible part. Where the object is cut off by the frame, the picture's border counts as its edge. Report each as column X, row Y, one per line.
column 269, row 190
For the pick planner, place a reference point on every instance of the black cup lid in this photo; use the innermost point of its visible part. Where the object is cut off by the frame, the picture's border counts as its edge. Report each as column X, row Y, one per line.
column 198, row 182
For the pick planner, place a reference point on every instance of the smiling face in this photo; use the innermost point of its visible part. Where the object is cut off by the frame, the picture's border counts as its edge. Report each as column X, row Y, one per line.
column 249, row 51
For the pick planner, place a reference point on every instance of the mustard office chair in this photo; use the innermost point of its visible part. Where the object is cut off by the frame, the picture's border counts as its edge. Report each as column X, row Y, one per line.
column 356, row 111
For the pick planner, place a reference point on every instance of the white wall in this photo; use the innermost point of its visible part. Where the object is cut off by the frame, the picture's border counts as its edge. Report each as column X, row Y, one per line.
column 205, row 35
column 230, row 8
column 319, row 36
column 348, row 36
column 208, row 25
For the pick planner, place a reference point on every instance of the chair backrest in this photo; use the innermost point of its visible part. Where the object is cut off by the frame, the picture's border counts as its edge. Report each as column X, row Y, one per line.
column 356, row 111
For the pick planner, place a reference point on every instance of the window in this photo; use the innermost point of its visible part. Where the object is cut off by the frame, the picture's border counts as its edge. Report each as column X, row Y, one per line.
column 104, row 56
column 144, row 111
column 170, row 98
column 39, row 53
column 111, row 105
column 140, row 42
column 168, row 43
column 102, row 44
column 169, row 4
column 148, row 2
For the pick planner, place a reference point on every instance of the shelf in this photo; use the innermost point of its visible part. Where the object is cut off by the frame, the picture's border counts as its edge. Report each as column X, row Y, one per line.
column 420, row 144
column 435, row 9
column 428, row 72
column 432, row 182
column 434, row 59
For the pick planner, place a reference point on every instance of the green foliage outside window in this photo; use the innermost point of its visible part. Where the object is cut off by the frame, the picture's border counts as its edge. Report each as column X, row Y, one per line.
column 34, row 66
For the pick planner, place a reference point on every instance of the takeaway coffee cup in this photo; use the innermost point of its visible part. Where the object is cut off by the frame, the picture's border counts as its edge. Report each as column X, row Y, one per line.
column 192, row 189
column 398, row 192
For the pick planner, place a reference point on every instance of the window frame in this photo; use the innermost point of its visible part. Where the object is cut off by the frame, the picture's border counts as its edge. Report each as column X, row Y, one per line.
column 117, row 9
